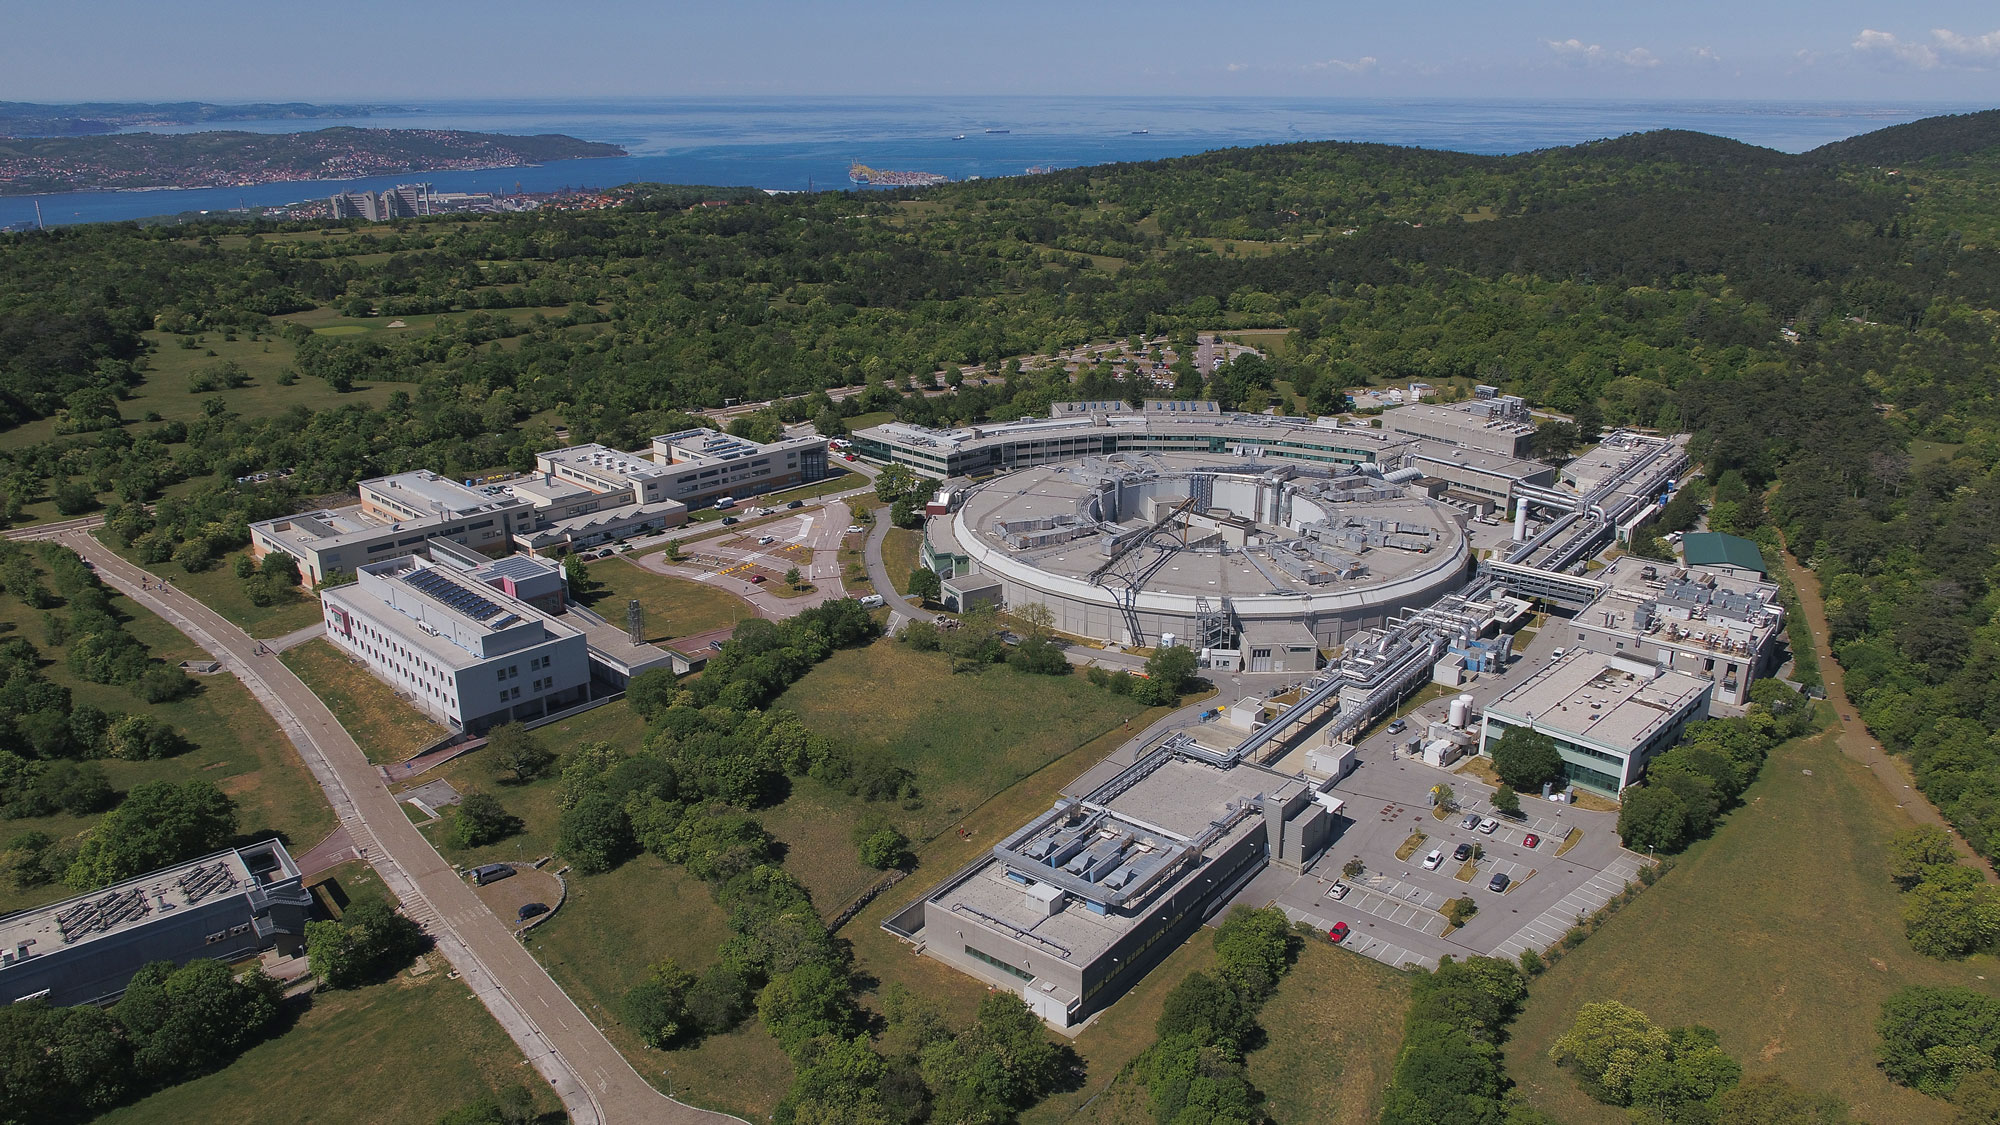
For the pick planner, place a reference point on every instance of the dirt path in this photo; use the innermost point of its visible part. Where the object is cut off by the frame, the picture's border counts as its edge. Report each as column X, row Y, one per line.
column 1855, row 739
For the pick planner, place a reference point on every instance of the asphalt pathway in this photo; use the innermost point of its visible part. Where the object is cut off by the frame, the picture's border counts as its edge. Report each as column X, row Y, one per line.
column 596, row 1084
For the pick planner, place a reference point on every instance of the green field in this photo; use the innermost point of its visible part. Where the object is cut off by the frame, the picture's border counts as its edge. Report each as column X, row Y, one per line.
column 237, row 746
column 901, row 548
column 675, row 607
column 1781, row 932
column 410, row 1049
column 1331, row 1031
column 965, row 737
column 614, row 926
column 388, row 729
column 219, row 589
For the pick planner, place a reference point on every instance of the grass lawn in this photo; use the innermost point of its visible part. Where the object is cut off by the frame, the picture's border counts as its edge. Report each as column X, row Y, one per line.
column 1782, row 932
column 965, row 737
column 219, row 589
column 612, row 929
column 165, row 390
column 675, row 607
column 387, row 728
column 1110, row 1095
column 615, row 926
column 412, row 1049
column 901, row 548
column 237, row 746
column 1331, row 1034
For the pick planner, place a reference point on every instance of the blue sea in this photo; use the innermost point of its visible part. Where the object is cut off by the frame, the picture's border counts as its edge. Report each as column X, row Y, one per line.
column 801, row 143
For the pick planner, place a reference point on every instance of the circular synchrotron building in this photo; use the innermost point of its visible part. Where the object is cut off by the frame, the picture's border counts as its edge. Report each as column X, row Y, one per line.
column 1274, row 561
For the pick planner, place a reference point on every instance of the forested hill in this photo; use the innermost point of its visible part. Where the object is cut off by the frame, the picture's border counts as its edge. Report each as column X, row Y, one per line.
column 149, row 160
column 1952, row 135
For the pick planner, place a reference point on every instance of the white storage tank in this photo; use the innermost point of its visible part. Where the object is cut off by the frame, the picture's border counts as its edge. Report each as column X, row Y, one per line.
column 1461, row 711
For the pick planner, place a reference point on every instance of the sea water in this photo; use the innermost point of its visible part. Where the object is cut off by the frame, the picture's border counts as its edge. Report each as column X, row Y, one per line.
column 800, row 143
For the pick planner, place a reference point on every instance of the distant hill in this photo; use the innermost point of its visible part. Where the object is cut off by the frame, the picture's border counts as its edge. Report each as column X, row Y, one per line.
column 152, row 160
column 82, row 119
column 1946, row 137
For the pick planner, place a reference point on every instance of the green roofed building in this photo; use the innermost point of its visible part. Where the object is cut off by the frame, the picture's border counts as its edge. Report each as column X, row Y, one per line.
column 1730, row 555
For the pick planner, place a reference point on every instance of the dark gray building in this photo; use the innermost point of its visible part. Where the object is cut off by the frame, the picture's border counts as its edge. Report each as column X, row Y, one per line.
column 1075, row 907
column 226, row 906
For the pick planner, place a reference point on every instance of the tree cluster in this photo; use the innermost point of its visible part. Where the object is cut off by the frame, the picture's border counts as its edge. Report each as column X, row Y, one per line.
column 1687, row 788
column 1449, row 1068
column 368, row 943
column 1934, row 1038
column 1672, row 1076
column 174, row 1023
column 1194, row 1074
column 1948, row 910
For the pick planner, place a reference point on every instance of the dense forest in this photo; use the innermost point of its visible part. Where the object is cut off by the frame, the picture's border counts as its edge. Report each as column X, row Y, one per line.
column 1824, row 323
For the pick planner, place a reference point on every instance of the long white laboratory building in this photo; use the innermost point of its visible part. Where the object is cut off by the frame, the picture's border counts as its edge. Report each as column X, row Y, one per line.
column 463, row 652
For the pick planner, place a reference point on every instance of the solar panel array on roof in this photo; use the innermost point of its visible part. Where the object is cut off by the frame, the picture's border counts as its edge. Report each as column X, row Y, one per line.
column 517, row 566
column 465, row 601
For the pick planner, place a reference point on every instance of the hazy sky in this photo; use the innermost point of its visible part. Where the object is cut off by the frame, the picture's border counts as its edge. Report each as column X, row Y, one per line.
column 413, row 49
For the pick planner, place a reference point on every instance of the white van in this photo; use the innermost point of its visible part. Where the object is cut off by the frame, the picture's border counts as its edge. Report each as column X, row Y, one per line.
column 725, row 502
column 873, row 601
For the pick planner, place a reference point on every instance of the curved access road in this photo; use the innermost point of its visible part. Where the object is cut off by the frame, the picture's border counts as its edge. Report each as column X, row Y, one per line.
column 596, row 1084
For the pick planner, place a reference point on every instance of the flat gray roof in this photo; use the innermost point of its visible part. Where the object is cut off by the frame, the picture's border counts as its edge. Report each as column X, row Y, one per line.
column 1601, row 699
column 121, row 906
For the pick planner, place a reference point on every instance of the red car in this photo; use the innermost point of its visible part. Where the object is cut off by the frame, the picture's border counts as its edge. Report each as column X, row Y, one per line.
column 1338, row 933
column 1530, row 840
column 758, row 578
column 849, row 456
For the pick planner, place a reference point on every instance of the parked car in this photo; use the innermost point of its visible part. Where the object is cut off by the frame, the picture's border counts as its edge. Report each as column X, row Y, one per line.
column 758, row 579
column 1470, row 822
column 1432, row 860
column 1462, row 852
column 763, row 539
column 1530, row 840
column 1337, row 891
column 1398, row 727
column 729, row 521
column 1558, row 654
column 796, row 504
column 1498, row 884
column 492, row 873
column 1488, row 825
column 848, row 456
column 1338, row 933
column 855, row 529
column 531, row 910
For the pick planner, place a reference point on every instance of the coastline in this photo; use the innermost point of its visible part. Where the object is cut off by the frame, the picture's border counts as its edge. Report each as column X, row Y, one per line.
column 43, row 194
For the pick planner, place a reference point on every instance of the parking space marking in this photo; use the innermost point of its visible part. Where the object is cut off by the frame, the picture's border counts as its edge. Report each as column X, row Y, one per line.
column 1368, row 945
column 1549, row 927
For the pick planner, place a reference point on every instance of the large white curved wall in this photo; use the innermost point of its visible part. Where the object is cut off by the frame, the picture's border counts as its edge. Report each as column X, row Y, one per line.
column 1085, row 609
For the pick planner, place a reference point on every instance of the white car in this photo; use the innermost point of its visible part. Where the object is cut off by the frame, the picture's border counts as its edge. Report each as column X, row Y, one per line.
column 1488, row 825
column 1337, row 891
column 1432, row 860
column 763, row 539
column 855, row 529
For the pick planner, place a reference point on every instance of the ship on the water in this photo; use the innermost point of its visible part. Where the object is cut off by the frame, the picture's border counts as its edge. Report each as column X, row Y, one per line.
column 999, row 130
column 864, row 176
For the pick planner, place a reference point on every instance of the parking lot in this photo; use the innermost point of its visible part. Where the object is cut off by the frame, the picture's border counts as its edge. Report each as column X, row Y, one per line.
column 1392, row 909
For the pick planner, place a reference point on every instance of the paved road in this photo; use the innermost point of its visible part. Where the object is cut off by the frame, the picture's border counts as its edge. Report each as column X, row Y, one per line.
column 596, row 1084
column 1855, row 739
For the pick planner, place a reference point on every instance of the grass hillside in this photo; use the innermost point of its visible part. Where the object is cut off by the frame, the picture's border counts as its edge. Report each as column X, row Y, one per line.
column 1781, row 932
